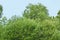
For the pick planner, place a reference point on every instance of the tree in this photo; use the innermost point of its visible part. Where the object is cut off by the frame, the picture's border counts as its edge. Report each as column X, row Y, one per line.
column 1, row 9
column 36, row 12
column 21, row 29
column 4, row 21
column 58, row 14
column 27, row 27
column 58, row 20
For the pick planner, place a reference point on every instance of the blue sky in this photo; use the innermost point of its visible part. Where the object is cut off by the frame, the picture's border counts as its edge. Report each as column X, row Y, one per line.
column 16, row 7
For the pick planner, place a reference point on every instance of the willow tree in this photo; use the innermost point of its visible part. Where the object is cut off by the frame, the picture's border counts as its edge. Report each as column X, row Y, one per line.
column 38, row 11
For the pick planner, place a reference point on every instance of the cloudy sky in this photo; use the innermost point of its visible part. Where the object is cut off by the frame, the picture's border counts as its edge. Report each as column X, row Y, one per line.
column 16, row 7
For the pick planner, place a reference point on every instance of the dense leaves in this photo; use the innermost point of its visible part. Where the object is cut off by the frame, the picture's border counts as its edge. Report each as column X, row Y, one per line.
column 28, row 29
column 36, row 12
column 35, row 24
column 21, row 29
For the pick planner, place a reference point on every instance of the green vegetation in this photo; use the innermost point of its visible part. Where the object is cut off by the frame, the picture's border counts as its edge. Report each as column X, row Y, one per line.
column 35, row 24
column 1, row 11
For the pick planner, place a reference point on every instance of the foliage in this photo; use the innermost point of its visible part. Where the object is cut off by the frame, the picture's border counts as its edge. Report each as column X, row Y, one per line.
column 36, row 12
column 35, row 24
column 1, row 9
column 21, row 29
column 27, row 29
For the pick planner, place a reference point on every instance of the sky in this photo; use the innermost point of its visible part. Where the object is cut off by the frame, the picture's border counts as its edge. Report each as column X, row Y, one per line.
column 16, row 7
